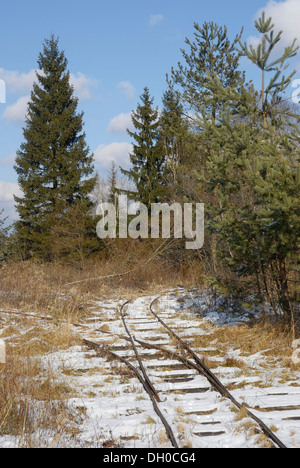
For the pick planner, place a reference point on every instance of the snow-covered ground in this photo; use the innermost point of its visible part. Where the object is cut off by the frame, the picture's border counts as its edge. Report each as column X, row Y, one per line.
column 116, row 409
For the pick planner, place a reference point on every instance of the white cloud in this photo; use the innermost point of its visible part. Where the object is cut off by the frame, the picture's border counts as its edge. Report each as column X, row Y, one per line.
column 120, row 123
column 18, row 82
column 8, row 190
column 82, row 85
column 7, row 202
column 9, row 160
column 114, row 152
column 155, row 19
column 16, row 112
column 127, row 89
column 2, row 92
column 254, row 41
column 286, row 18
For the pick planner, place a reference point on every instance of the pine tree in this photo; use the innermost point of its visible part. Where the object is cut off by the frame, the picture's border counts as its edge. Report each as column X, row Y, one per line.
column 275, row 178
column 253, row 169
column 271, row 93
column 211, row 54
column 53, row 164
column 148, row 155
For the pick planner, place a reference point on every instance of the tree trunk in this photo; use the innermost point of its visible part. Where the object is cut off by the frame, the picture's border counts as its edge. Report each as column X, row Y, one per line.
column 284, row 291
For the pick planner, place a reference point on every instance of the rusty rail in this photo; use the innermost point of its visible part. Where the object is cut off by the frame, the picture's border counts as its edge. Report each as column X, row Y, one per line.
column 215, row 382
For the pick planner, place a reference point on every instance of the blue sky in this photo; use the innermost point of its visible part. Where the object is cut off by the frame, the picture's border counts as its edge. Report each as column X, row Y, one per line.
column 114, row 49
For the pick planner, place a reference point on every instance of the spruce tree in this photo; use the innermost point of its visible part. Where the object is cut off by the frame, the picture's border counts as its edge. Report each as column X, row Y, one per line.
column 112, row 185
column 54, row 165
column 148, row 157
column 173, row 131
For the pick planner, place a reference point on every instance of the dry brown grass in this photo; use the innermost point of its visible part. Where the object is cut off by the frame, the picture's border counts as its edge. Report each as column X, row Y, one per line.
column 28, row 288
column 34, row 404
column 58, row 290
column 242, row 414
column 38, row 341
column 272, row 339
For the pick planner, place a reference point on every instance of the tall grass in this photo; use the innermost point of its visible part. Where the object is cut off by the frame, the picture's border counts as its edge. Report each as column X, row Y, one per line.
column 34, row 409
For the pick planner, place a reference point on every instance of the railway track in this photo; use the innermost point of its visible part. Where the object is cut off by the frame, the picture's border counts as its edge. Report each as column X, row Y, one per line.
column 173, row 374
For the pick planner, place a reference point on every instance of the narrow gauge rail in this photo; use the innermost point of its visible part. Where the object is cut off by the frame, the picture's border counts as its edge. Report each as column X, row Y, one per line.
column 215, row 382
column 196, row 363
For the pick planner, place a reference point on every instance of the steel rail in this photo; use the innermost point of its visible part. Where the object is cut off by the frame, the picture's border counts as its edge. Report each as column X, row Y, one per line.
column 145, row 381
column 215, row 382
column 103, row 350
column 142, row 368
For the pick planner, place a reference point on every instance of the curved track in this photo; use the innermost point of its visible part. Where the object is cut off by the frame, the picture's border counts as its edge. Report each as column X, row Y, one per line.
column 186, row 359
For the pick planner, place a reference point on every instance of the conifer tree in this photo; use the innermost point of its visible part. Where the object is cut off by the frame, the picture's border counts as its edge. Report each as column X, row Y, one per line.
column 211, row 54
column 54, row 167
column 181, row 148
column 253, row 169
column 173, row 131
column 112, row 185
column 263, row 57
column 148, row 155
